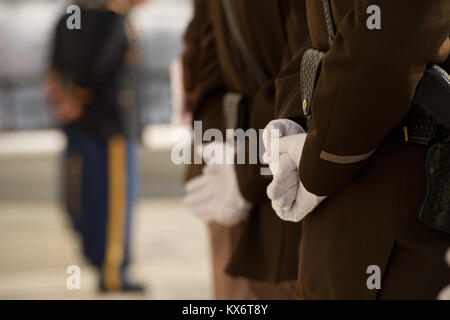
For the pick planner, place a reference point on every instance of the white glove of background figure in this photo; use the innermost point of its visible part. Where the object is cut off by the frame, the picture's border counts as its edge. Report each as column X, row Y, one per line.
column 214, row 195
column 290, row 199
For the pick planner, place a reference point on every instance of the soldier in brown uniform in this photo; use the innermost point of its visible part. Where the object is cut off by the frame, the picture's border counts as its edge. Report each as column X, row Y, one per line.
column 261, row 248
column 372, row 175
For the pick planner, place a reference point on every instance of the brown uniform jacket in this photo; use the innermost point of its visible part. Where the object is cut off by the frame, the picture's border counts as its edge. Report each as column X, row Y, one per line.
column 265, row 248
column 375, row 186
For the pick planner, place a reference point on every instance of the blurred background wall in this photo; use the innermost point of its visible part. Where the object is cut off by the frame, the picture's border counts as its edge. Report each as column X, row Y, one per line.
column 25, row 35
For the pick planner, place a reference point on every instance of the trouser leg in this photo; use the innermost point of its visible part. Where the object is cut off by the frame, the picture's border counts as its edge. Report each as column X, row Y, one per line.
column 121, row 167
column 72, row 166
column 107, row 196
column 225, row 286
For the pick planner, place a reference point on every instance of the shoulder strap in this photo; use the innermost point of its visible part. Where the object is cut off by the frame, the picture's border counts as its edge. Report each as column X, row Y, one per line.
column 329, row 21
column 311, row 64
column 259, row 75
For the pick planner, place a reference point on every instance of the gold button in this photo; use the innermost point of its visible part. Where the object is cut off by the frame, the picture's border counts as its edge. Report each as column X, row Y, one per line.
column 305, row 106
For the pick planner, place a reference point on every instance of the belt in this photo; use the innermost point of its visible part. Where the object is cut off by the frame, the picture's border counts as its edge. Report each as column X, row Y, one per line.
column 420, row 128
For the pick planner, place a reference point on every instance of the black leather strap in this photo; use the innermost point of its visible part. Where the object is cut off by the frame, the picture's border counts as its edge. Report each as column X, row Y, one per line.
column 435, row 210
column 420, row 128
column 433, row 94
column 311, row 64
column 428, row 121
column 309, row 72
column 329, row 21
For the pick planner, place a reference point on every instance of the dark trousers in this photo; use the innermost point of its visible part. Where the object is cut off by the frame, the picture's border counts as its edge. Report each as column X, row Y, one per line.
column 100, row 179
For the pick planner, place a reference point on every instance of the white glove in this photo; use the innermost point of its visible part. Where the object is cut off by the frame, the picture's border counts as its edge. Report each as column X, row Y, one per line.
column 445, row 294
column 277, row 129
column 215, row 196
column 290, row 199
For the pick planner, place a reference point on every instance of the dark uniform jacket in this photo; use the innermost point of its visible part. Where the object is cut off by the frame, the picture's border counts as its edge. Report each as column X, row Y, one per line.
column 375, row 186
column 100, row 57
column 266, row 248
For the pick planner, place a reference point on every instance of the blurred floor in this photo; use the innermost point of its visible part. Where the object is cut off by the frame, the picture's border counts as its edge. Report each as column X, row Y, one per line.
column 37, row 246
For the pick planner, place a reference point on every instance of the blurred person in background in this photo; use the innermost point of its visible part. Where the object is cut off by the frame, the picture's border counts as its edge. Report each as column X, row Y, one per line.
column 91, row 85
column 234, row 51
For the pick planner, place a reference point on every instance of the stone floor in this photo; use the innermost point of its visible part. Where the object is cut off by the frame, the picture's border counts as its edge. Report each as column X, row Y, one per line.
column 37, row 245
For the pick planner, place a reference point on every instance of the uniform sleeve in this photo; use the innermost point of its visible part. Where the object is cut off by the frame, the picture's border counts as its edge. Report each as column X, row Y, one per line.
column 288, row 95
column 252, row 184
column 209, row 86
column 366, row 85
column 115, row 43
column 203, row 79
column 54, row 52
column 196, row 29
column 287, row 83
